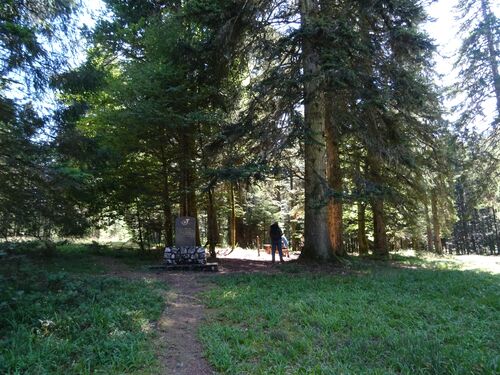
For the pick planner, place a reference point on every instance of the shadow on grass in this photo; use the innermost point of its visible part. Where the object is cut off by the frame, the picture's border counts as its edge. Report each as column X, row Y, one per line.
column 57, row 317
column 78, row 257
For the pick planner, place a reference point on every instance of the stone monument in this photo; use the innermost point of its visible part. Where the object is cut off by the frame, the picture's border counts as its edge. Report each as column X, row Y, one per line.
column 185, row 251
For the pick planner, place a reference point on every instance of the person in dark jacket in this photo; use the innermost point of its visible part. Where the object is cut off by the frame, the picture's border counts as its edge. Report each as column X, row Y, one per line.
column 275, row 233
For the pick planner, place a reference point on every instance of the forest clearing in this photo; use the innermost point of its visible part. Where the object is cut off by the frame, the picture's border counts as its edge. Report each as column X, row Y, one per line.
column 103, row 311
column 249, row 187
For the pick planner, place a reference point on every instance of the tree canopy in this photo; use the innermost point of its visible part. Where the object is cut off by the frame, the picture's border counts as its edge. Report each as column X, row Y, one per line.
column 323, row 115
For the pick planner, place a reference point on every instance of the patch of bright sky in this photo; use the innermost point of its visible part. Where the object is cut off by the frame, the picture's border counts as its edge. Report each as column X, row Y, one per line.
column 74, row 49
column 445, row 32
column 91, row 12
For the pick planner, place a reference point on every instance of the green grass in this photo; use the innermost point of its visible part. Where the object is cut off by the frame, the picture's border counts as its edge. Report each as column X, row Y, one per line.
column 377, row 320
column 58, row 315
column 81, row 257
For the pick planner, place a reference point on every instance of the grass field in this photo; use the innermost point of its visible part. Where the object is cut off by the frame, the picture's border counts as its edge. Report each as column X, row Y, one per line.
column 378, row 319
column 60, row 315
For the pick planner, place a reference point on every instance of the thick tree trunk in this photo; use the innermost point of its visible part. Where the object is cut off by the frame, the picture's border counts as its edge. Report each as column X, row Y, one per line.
column 334, row 175
column 167, row 221
column 492, row 52
column 379, row 232
column 435, row 223
column 362, row 239
column 316, row 239
column 213, row 230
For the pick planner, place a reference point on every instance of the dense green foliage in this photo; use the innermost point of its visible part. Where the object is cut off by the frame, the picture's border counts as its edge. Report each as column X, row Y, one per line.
column 26, row 27
column 323, row 115
column 37, row 194
column 61, row 315
column 373, row 320
column 198, row 107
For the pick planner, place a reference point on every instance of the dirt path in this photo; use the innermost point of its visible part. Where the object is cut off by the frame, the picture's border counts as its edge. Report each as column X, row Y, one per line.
column 184, row 313
column 179, row 323
column 180, row 351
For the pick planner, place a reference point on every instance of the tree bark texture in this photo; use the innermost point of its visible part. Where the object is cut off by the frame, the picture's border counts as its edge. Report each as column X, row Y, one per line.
column 430, row 245
column 213, row 230
column 232, row 221
column 316, row 238
column 334, row 176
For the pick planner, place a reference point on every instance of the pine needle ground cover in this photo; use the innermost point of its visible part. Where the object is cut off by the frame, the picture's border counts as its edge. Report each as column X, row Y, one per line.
column 376, row 320
column 55, row 320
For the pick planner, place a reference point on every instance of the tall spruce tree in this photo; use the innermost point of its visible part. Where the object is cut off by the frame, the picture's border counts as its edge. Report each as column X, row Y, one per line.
column 477, row 62
column 38, row 195
column 164, row 102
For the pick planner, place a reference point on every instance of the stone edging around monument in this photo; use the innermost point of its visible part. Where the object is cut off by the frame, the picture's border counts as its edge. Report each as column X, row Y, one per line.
column 184, row 255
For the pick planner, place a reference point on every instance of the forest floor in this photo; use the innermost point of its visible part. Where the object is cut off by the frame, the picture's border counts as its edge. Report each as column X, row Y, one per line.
column 180, row 350
column 412, row 314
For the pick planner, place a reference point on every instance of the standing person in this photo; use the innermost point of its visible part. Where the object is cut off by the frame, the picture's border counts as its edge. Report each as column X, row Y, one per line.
column 286, row 245
column 284, row 241
column 275, row 233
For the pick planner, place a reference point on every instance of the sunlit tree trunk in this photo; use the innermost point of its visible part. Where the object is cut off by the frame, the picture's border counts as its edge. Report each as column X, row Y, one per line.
column 334, row 175
column 316, row 238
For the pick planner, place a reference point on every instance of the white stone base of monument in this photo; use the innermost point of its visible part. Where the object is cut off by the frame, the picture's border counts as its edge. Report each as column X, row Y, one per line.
column 184, row 255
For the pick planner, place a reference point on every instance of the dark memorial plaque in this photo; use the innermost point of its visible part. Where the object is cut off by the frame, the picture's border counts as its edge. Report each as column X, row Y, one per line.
column 185, row 231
